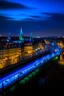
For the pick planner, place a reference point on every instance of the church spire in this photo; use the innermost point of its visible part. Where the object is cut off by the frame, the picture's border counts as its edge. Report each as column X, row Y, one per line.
column 21, row 33
column 9, row 37
column 21, row 37
column 31, row 37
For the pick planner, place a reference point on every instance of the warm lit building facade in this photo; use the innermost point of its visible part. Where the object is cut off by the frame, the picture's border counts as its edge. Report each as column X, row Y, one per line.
column 13, row 51
column 9, row 54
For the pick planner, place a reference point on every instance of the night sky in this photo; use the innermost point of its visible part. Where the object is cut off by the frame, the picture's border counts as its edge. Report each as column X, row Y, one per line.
column 39, row 17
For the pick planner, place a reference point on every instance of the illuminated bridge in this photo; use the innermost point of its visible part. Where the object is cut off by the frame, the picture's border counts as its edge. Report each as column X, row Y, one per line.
column 10, row 79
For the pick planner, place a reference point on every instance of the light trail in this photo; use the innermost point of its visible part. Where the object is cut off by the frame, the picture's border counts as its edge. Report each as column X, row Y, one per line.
column 18, row 74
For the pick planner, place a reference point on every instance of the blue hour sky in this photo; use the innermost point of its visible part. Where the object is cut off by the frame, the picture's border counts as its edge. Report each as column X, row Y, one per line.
column 39, row 17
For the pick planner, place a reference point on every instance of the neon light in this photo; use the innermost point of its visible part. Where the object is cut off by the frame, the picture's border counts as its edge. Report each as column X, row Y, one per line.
column 56, row 58
column 26, row 78
column 22, row 81
column 11, row 78
column 29, row 76
column 34, row 73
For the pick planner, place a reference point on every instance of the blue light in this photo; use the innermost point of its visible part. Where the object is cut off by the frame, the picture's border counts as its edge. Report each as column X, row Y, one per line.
column 16, row 76
column 7, row 80
column 10, row 79
column 53, row 54
column 42, row 61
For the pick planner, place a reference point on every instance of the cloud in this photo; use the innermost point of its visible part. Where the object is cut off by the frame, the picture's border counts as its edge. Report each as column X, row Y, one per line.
column 4, row 18
column 10, row 5
column 30, row 9
column 55, row 16
column 35, row 16
column 29, row 19
column 51, row 0
column 55, row 21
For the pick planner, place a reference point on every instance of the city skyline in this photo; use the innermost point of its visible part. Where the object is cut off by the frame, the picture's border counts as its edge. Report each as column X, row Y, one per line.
column 40, row 17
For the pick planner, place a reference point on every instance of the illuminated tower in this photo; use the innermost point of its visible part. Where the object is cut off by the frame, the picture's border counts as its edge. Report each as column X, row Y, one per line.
column 9, row 38
column 21, row 37
column 31, row 38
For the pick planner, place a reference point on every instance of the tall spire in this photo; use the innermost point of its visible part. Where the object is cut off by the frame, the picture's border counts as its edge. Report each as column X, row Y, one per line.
column 9, row 37
column 31, row 37
column 21, row 33
column 21, row 37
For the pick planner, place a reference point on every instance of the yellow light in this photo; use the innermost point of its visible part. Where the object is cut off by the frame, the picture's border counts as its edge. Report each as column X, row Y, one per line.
column 61, row 61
